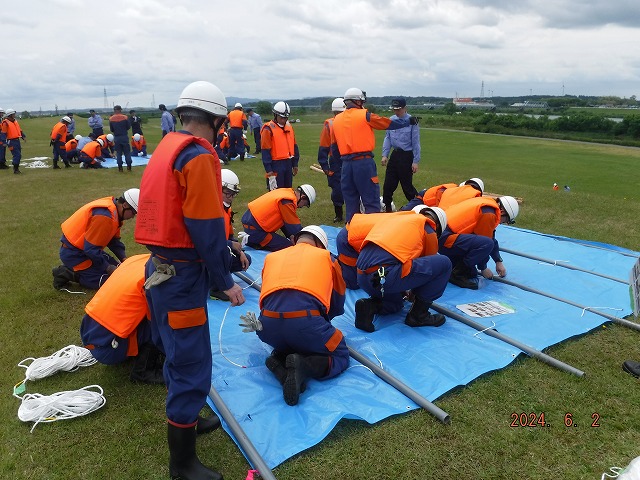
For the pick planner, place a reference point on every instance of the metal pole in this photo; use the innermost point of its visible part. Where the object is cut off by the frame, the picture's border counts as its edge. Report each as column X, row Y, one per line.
column 562, row 264
column 617, row 320
column 252, row 454
column 401, row 387
column 532, row 352
column 387, row 377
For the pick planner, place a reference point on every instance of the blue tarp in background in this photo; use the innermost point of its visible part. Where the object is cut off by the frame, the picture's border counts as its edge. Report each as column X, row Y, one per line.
column 432, row 361
column 135, row 161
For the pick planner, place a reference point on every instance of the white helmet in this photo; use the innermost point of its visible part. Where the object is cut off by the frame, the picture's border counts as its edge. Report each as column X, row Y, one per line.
column 337, row 105
column 132, row 196
column 1, row 110
column 436, row 212
column 230, row 180
column 477, row 181
column 309, row 191
column 237, row 105
column 354, row 93
column 10, row 111
column 317, row 232
column 510, row 206
column 100, row 142
column 282, row 109
column 78, row 138
column 66, row 119
column 203, row 96
column 137, row 137
column 110, row 137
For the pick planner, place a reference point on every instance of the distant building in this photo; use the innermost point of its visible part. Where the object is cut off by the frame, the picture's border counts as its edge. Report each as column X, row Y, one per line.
column 464, row 103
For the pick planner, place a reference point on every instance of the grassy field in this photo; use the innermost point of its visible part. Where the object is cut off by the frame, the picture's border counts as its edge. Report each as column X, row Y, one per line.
column 126, row 439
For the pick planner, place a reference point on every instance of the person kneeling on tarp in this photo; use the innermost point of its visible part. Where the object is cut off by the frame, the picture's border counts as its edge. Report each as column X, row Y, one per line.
column 297, row 302
column 469, row 239
column 400, row 254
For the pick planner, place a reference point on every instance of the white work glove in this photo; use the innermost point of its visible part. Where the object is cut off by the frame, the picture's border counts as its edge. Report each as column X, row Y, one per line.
column 243, row 239
column 273, row 184
column 250, row 323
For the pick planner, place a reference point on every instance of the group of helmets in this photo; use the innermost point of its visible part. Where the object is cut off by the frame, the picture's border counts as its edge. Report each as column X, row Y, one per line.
column 9, row 111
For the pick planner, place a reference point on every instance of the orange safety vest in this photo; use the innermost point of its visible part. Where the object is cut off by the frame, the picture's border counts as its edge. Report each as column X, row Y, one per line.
column 463, row 217
column 59, row 130
column 139, row 144
column 107, row 143
column 121, row 304
column 266, row 208
column 13, row 130
column 4, row 124
column 283, row 140
column 361, row 224
column 228, row 224
column 404, row 237
column 71, row 145
column 92, row 149
column 454, row 195
column 433, row 195
column 160, row 220
column 75, row 227
column 235, row 118
column 301, row 267
column 352, row 132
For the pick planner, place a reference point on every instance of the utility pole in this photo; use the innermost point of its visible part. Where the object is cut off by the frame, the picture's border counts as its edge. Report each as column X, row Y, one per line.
column 482, row 90
column 106, row 102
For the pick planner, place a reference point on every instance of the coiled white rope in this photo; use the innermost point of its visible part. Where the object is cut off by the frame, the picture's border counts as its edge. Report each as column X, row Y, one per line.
column 67, row 359
column 60, row 406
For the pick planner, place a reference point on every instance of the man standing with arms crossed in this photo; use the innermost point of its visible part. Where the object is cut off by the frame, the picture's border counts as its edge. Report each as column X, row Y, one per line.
column 181, row 222
column 404, row 159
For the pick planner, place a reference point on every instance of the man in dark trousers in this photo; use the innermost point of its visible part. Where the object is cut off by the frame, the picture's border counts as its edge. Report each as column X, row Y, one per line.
column 119, row 125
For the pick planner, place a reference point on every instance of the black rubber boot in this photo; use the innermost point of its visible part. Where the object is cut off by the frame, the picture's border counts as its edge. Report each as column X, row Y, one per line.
column 128, row 168
column 464, row 277
column 207, row 424
column 4, row 166
column 218, row 295
column 366, row 309
column 56, row 166
column 184, row 464
column 145, row 368
column 419, row 315
column 632, row 367
column 16, row 170
column 338, row 218
column 277, row 363
column 120, row 169
column 299, row 369
column 62, row 275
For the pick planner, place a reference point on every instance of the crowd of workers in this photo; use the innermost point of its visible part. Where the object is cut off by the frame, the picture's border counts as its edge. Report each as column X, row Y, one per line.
column 153, row 307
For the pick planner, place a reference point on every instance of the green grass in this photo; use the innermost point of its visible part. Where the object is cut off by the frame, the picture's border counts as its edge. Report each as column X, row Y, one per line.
column 126, row 439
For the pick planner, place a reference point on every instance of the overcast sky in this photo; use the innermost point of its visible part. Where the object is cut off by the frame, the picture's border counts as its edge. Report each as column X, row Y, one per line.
column 65, row 52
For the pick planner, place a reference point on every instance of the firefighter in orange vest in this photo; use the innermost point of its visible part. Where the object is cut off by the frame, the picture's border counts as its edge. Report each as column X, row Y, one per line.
column 138, row 145
column 349, row 243
column 91, row 154
column 469, row 239
column 181, row 222
column 400, row 254
column 235, row 125
column 86, row 234
column 109, row 143
column 472, row 188
column 71, row 149
column 332, row 166
column 14, row 135
column 273, row 211
column 3, row 141
column 297, row 302
column 58, row 140
column 279, row 149
column 354, row 141
column 239, row 260
column 429, row 196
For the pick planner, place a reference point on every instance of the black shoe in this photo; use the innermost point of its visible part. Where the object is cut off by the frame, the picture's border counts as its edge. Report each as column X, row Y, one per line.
column 632, row 367
column 62, row 275
column 299, row 369
column 464, row 282
column 338, row 218
column 67, row 165
column 16, row 170
column 145, row 368
column 366, row 309
column 120, row 169
column 419, row 315
column 207, row 424
column 128, row 168
column 56, row 167
column 218, row 295
column 183, row 461
column 4, row 166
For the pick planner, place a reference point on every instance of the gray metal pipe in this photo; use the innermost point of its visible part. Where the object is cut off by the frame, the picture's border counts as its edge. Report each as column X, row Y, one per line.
column 619, row 321
column 250, row 451
column 387, row 377
column 532, row 352
column 562, row 264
